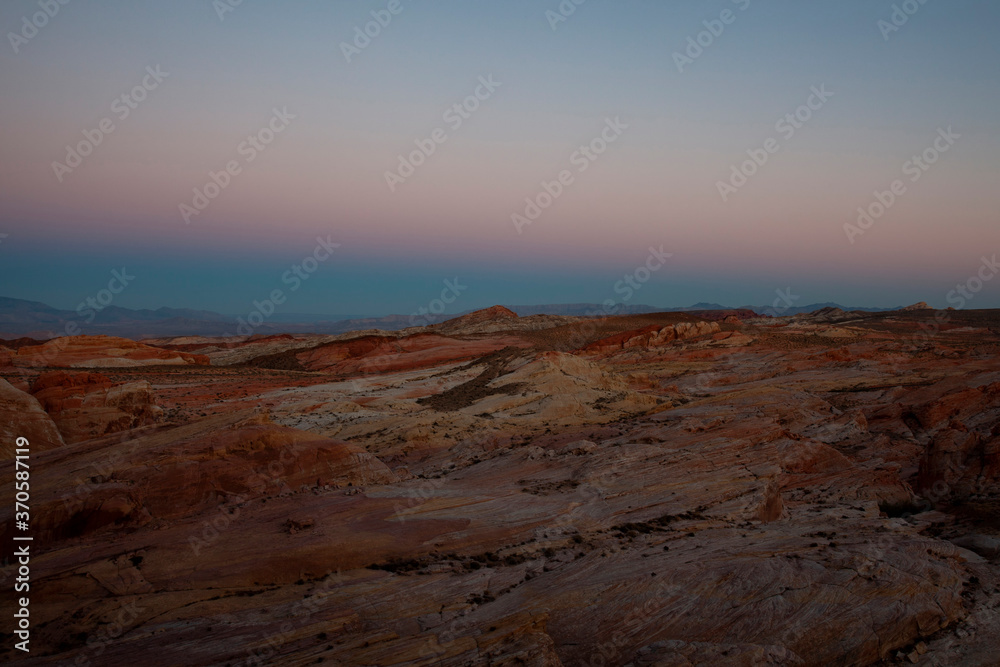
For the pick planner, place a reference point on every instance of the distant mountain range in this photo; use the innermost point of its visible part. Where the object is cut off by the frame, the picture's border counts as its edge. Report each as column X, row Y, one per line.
column 594, row 309
column 780, row 311
column 38, row 320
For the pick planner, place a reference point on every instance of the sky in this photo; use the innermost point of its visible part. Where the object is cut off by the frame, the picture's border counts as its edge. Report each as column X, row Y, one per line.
column 590, row 142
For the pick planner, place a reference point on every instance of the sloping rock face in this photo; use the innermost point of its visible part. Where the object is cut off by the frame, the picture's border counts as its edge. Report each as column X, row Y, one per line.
column 961, row 432
column 498, row 319
column 87, row 405
column 100, row 352
column 772, row 496
column 6, row 358
column 653, row 336
column 733, row 316
column 382, row 354
column 495, row 315
column 167, row 475
column 240, row 350
column 22, row 417
column 558, row 387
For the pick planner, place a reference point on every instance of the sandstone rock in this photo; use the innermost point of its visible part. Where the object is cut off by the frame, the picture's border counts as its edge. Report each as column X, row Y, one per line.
column 100, row 352
column 21, row 416
column 653, row 336
column 382, row 354
column 561, row 387
column 987, row 546
column 680, row 653
column 679, row 503
column 495, row 318
column 86, row 405
column 963, row 452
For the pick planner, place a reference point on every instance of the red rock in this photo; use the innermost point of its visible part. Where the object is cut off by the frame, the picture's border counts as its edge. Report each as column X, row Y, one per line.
column 173, row 473
column 492, row 314
column 87, row 405
column 652, row 336
column 676, row 503
column 21, row 416
column 383, row 354
column 100, row 352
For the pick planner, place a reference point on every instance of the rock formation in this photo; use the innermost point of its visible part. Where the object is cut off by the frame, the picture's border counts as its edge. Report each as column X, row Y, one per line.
column 22, row 417
column 653, row 336
column 87, row 405
column 649, row 489
column 99, row 352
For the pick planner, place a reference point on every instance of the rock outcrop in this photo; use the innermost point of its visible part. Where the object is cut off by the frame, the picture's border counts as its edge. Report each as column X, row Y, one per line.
column 100, row 352
column 686, row 495
column 653, row 336
column 87, row 405
column 384, row 354
column 21, row 416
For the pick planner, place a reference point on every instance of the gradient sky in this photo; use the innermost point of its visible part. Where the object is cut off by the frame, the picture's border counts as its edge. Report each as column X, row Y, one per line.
column 655, row 185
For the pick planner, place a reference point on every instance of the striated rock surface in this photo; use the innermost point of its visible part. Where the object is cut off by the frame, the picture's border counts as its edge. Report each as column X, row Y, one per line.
column 162, row 475
column 100, row 352
column 22, row 417
column 87, row 405
column 498, row 319
column 382, row 354
column 6, row 358
column 653, row 336
column 488, row 319
column 761, row 493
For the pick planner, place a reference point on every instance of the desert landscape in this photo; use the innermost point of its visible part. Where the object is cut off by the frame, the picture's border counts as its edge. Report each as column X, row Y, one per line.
column 556, row 333
column 656, row 489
